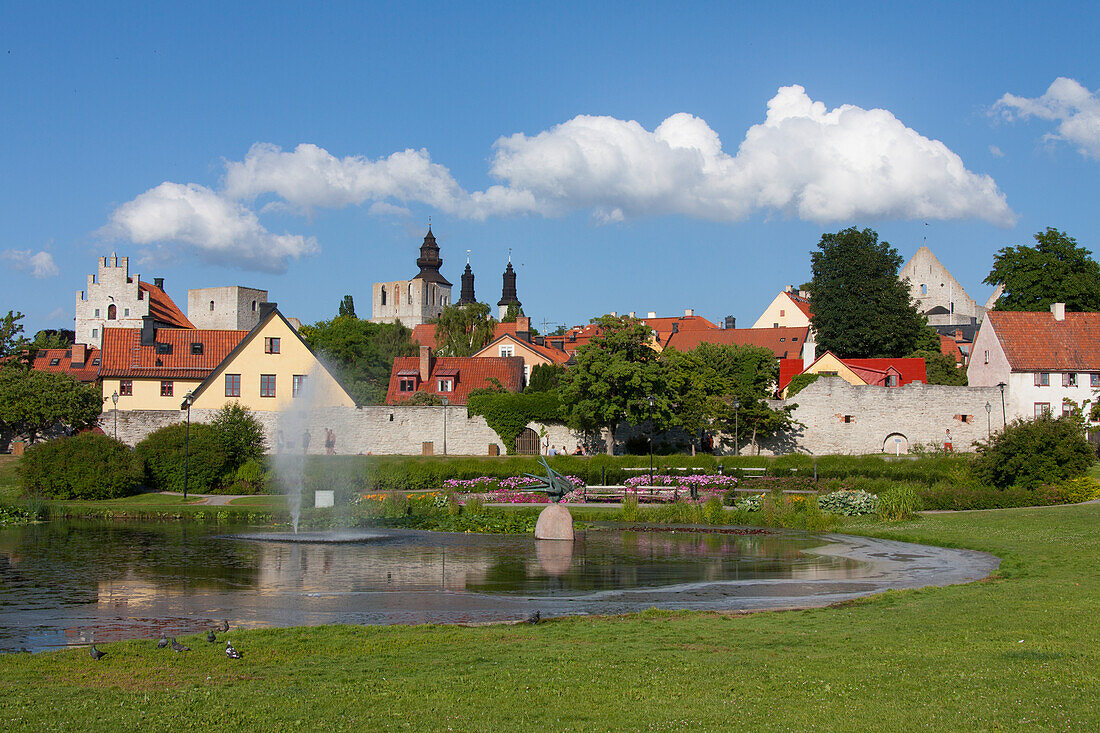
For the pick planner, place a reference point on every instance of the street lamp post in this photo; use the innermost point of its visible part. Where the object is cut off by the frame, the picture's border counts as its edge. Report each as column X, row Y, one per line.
column 652, row 427
column 736, row 428
column 114, row 399
column 1004, row 417
column 187, row 400
column 988, row 413
column 445, row 403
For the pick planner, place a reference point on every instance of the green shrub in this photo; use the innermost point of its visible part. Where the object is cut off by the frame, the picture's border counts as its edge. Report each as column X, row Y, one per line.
column 1028, row 453
column 898, row 503
column 240, row 433
column 163, row 453
column 848, row 502
column 250, row 478
column 630, row 508
column 953, row 496
column 1083, row 488
column 84, row 466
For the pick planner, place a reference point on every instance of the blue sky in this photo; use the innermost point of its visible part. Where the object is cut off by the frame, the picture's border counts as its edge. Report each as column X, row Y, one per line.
column 265, row 145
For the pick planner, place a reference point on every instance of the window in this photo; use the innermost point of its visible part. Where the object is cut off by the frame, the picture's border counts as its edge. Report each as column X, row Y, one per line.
column 1067, row 409
column 923, row 289
column 55, row 361
column 253, row 306
column 794, row 338
column 1042, row 379
column 1094, row 379
column 445, row 385
column 410, row 294
column 95, row 361
column 775, row 325
column 165, row 389
column 297, row 382
column 126, row 312
column 271, row 345
column 1042, row 408
column 987, row 356
column 507, row 350
column 847, row 418
column 196, row 348
column 164, row 348
column 782, row 313
column 126, row 387
column 112, row 312
column 232, row 385
column 211, row 306
column 526, row 373
column 95, row 333
column 267, row 385
column 383, row 295
column 1069, row 379
column 891, row 380
column 408, row 384
column 97, row 312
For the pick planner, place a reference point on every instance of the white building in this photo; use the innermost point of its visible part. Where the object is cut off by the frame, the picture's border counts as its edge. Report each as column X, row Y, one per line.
column 415, row 301
column 939, row 296
column 789, row 309
column 115, row 298
column 1048, row 361
column 231, row 308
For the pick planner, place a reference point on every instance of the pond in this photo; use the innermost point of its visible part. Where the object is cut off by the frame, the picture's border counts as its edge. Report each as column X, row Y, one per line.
column 72, row 582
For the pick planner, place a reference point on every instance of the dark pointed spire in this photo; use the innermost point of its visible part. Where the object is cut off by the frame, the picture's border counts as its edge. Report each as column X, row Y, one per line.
column 429, row 261
column 467, row 296
column 508, row 294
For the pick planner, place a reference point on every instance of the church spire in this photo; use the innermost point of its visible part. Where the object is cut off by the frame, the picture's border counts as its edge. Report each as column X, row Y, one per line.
column 429, row 261
column 467, row 297
column 508, row 293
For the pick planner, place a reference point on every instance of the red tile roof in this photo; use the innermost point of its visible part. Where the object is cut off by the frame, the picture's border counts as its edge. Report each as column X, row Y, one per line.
column 950, row 347
column 473, row 372
column 874, row 371
column 424, row 334
column 785, row 342
column 803, row 304
column 87, row 371
column 664, row 326
column 124, row 356
column 788, row 370
column 1036, row 342
column 162, row 308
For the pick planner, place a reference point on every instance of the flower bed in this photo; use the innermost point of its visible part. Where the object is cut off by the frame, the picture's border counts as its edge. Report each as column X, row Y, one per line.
column 509, row 490
column 703, row 484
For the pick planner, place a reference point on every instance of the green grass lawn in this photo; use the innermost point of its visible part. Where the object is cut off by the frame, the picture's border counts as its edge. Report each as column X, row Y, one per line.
column 9, row 485
column 1019, row 651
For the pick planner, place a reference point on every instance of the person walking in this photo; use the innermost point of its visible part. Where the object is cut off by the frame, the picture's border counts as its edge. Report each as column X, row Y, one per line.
column 330, row 442
column 947, row 448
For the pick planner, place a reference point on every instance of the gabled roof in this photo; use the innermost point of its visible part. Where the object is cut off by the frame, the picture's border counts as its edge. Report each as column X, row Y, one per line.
column 803, row 304
column 788, row 370
column 87, row 371
column 162, row 308
column 1036, row 342
column 665, row 326
column 473, row 372
column 785, row 342
column 555, row 356
column 424, row 333
column 124, row 356
column 871, row 371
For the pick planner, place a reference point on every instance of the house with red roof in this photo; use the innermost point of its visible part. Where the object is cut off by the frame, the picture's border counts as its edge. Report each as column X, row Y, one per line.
column 789, row 309
column 784, row 342
column 451, row 377
column 857, row 372
column 113, row 298
column 1046, row 362
column 533, row 353
column 78, row 361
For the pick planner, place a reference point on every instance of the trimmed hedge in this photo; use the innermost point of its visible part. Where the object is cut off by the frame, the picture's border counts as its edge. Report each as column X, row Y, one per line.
column 163, row 452
column 85, row 466
column 508, row 413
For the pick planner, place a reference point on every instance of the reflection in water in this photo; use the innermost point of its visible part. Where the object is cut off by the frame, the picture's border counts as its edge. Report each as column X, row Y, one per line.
column 78, row 581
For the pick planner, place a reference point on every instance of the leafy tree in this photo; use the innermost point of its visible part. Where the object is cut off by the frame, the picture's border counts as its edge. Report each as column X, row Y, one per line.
column 614, row 375
column 545, row 377
column 462, row 330
column 940, row 368
column 10, row 328
column 423, row 399
column 240, row 433
column 32, row 402
column 1056, row 270
column 84, row 466
column 1032, row 452
column 164, row 453
column 799, row 383
column 360, row 353
column 347, row 307
column 52, row 338
column 860, row 308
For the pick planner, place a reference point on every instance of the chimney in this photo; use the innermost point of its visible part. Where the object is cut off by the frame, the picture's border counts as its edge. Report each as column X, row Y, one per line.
column 425, row 363
column 159, row 282
column 730, row 322
column 1059, row 311
column 689, row 312
column 958, row 335
column 651, row 314
column 78, row 355
column 804, row 294
column 266, row 308
column 614, row 314
column 148, row 331
column 632, row 314
column 540, row 340
column 523, row 328
column 789, row 289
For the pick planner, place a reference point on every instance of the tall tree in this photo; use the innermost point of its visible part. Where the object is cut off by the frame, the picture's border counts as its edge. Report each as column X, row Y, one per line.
column 32, row 402
column 940, row 368
column 860, row 308
column 614, row 375
column 1056, row 270
column 360, row 353
column 462, row 330
column 51, row 338
column 347, row 307
column 10, row 328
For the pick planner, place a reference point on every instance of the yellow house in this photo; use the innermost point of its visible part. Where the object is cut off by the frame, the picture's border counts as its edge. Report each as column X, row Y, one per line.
column 790, row 309
column 264, row 369
column 860, row 372
column 533, row 354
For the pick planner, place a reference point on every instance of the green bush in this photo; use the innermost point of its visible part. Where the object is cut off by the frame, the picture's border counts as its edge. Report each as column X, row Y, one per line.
column 1028, row 453
column 250, row 479
column 240, row 433
column 84, row 466
column 163, row 452
column 898, row 504
column 949, row 495
column 848, row 502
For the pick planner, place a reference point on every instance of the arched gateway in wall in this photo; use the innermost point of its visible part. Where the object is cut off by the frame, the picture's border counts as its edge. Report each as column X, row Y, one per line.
column 527, row 444
column 895, row 444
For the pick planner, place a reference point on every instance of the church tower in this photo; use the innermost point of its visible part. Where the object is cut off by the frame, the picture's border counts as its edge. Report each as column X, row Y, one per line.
column 508, row 294
column 466, row 297
column 416, row 301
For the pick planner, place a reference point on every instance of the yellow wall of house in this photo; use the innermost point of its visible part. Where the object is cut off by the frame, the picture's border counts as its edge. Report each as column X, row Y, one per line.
column 293, row 358
column 792, row 315
column 829, row 363
column 146, row 394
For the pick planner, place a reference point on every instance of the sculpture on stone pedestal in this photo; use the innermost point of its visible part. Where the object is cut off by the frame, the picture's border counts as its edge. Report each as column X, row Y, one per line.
column 555, row 522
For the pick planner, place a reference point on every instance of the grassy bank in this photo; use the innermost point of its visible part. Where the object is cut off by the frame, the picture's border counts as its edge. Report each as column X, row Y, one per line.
column 1020, row 651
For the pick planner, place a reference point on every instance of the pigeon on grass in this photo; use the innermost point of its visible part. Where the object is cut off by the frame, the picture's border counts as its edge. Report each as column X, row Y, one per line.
column 230, row 651
column 211, row 637
column 96, row 654
column 534, row 618
column 162, row 642
column 177, row 647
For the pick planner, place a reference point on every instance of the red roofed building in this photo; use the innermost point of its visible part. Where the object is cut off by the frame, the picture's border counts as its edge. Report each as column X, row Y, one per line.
column 1048, row 361
column 452, row 377
column 791, row 308
column 785, row 343
column 79, row 362
column 859, row 372
column 115, row 299
column 424, row 334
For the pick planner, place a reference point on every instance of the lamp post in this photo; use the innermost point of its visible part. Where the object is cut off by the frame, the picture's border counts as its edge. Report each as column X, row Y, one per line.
column 187, row 400
column 988, row 413
column 736, row 428
column 114, row 399
column 1004, row 417
column 652, row 427
column 445, row 403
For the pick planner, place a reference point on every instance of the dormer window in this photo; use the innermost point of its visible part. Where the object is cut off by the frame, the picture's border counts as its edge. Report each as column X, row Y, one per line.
column 445, row 385
column 95, row 361
column 55, row 361
column 196, row 349
column 408, row 384
column 163, row 348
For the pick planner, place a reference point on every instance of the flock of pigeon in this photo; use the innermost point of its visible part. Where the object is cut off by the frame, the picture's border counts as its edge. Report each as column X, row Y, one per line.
column 171, row 642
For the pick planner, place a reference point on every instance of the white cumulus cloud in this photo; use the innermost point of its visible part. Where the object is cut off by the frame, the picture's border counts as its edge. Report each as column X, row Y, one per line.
column 40, row 264
column 215, row 228
column 1067, row 102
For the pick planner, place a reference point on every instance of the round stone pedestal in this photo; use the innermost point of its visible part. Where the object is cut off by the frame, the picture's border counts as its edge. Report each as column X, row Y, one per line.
column 555, row 523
